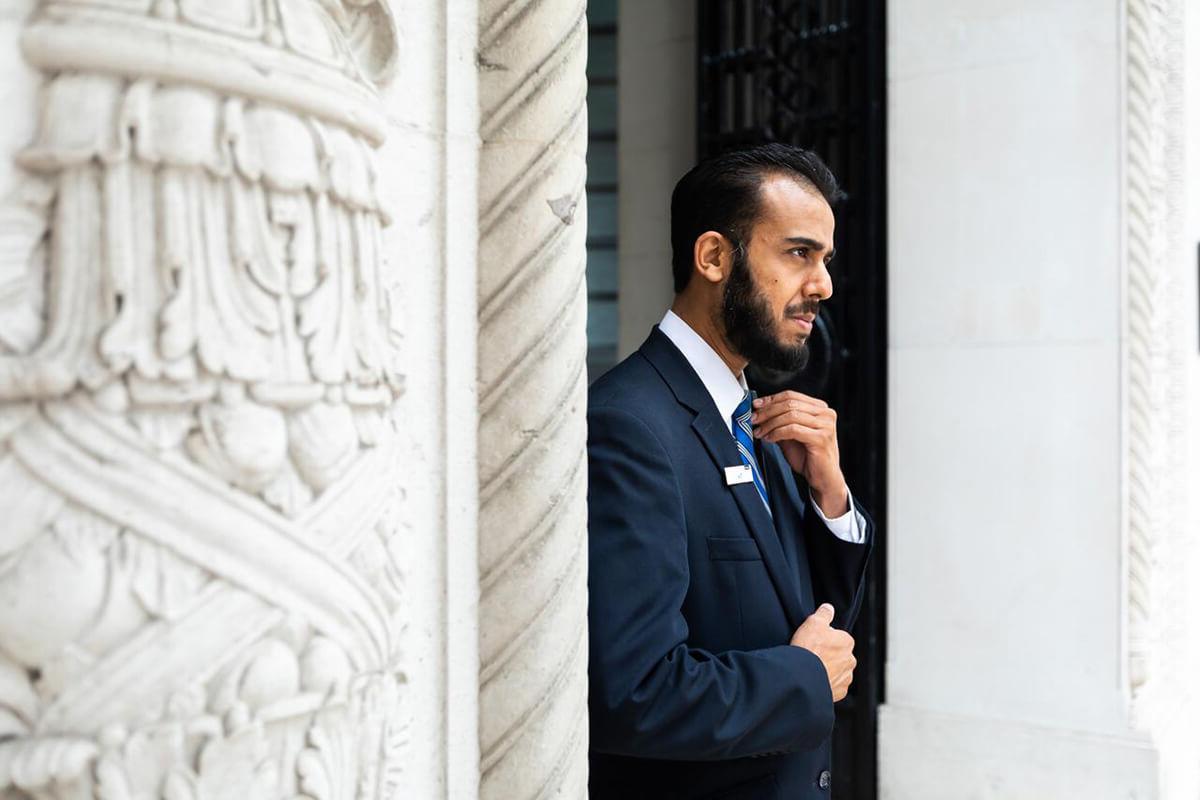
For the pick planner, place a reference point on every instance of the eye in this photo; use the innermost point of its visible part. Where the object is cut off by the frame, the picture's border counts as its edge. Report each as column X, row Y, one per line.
column 799, row 251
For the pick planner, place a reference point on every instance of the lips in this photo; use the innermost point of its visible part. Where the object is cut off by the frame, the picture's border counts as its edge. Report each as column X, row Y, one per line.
column 805, row 322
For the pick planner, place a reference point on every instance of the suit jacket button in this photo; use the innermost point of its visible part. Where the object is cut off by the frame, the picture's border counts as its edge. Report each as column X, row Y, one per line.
column 825, row 779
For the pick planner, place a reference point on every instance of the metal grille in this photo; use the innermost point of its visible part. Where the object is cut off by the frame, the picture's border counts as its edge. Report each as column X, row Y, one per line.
column 811, row 73
column 602, row 187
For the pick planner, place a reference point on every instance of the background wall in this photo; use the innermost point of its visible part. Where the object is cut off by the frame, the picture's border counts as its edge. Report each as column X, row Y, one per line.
column 1004, row 303
column 1008, row 662
column 656, row 55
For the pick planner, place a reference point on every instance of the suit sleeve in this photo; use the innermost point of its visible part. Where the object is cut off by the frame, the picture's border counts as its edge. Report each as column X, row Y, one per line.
column 838, row 567
column 651, row 695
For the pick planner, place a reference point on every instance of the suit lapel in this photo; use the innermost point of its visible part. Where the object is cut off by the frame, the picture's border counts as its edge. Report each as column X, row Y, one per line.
column 724, row 453
column 711, row 430
column 785, row 499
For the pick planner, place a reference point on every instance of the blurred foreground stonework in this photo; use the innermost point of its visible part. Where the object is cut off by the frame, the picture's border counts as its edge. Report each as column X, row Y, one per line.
column 240, row 312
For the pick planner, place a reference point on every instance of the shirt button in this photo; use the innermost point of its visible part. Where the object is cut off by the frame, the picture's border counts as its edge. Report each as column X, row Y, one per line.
column 825, row 779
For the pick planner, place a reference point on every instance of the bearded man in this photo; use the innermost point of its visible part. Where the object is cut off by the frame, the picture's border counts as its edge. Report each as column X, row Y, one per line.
column 721, row 585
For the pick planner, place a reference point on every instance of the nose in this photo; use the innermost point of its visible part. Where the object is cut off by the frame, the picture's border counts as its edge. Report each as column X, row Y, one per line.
column 820, row 285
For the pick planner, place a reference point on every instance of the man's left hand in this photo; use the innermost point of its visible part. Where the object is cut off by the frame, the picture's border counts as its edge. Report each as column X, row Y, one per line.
column 806, row 430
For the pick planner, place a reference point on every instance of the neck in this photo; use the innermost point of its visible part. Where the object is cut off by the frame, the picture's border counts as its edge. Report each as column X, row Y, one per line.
column 705, row 323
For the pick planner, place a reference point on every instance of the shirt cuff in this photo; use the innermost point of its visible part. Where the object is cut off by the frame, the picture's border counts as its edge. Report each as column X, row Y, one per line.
column 849, row 527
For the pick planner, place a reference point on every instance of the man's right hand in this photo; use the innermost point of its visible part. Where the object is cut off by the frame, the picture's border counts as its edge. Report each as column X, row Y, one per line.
column 835, row 648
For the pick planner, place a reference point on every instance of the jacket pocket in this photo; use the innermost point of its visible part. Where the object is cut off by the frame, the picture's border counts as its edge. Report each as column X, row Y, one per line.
column 733, row 549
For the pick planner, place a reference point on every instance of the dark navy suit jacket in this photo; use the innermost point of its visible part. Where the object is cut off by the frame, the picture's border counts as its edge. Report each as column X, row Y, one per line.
column 694, row 592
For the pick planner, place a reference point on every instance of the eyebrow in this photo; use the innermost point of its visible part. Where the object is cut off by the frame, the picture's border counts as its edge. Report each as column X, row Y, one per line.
column 812, row 244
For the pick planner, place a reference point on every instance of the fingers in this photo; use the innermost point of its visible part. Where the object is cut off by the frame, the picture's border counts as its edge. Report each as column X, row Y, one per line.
column 834, row 647
column 784, row 402
column 795, row 431
column 762, row 403
column 841, row 685
column 814, row 417
column 764, row 427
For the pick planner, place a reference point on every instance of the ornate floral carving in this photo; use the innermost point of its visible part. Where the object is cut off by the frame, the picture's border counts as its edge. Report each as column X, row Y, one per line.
column 200, row 592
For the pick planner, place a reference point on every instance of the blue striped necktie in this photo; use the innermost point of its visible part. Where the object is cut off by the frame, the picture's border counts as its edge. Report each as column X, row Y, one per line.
column 745, row 444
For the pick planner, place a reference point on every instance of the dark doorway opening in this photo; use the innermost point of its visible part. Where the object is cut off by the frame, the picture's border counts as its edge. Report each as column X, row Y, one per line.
column 812, row 73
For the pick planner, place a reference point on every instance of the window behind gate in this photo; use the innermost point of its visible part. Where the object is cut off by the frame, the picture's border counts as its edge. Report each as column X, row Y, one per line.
column 602, row 187
column 811, row 73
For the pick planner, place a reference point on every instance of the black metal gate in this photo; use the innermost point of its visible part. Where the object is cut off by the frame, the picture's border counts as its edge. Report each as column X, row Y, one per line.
column 811, row 73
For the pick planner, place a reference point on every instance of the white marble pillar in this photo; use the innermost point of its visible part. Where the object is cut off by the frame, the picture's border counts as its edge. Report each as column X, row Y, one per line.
column 532, row 307
column 202, row 586
column 1006, row 664
column 1041, row 590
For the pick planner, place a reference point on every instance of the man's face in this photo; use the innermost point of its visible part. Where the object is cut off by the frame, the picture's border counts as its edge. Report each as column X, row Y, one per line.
column 780, row 276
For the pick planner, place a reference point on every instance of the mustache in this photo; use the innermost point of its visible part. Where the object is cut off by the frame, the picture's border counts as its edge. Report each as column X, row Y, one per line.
column 808, row 307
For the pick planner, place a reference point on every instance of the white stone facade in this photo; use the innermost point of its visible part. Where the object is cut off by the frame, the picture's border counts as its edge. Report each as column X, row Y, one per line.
column 1043, row 325
column 292, row 393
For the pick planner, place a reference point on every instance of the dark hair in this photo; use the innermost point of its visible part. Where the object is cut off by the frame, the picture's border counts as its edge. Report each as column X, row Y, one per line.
column 721, row 194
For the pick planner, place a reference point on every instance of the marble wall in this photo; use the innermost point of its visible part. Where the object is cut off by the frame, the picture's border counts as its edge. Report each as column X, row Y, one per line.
column 1031, row 513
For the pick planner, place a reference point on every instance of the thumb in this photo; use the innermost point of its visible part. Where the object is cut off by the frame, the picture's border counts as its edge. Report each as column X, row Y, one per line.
column 824, row 613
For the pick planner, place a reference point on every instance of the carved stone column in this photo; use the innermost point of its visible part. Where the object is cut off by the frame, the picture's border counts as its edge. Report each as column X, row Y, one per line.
column 532, row 348
column 1148, row 291
column 1162, row 555
column 200, row 583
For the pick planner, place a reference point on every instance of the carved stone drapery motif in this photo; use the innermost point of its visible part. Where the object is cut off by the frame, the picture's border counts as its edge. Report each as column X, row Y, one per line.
column 201, row 585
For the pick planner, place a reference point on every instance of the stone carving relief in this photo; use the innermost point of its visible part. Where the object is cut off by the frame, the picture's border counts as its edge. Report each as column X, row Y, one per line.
column 201, row 567
column 1152, row 179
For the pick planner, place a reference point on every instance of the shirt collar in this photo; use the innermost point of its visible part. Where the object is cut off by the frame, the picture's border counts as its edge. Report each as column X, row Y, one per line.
column 725, row 388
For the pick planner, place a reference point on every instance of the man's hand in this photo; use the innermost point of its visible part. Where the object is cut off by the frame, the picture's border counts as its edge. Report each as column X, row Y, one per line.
column 835, row 648
column 806, row 430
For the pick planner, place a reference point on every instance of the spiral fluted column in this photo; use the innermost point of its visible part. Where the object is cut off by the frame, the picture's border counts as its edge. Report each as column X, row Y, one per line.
column 532, row 387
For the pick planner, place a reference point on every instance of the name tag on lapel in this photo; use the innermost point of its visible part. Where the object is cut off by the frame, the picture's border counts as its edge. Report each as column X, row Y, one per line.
column 738, row 474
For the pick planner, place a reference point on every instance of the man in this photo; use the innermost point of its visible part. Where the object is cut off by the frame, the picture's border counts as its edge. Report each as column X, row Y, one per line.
column 720, row 586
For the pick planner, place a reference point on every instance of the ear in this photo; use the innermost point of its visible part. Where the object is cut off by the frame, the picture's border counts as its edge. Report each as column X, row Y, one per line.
column 712, row 256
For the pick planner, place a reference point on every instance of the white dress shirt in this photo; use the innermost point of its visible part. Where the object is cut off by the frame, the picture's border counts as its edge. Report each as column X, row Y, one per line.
column 727, row 391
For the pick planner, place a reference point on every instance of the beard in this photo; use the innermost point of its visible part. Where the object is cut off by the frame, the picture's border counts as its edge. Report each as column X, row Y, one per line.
column 750, row 327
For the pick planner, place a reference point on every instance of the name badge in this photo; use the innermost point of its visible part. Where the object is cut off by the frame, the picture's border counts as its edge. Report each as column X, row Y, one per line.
column 738, row 474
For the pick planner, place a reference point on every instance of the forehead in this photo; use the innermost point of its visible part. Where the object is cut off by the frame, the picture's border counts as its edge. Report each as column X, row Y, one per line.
column 790, row 208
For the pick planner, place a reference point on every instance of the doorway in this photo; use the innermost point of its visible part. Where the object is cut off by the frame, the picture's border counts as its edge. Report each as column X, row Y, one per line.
column 812, row 73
